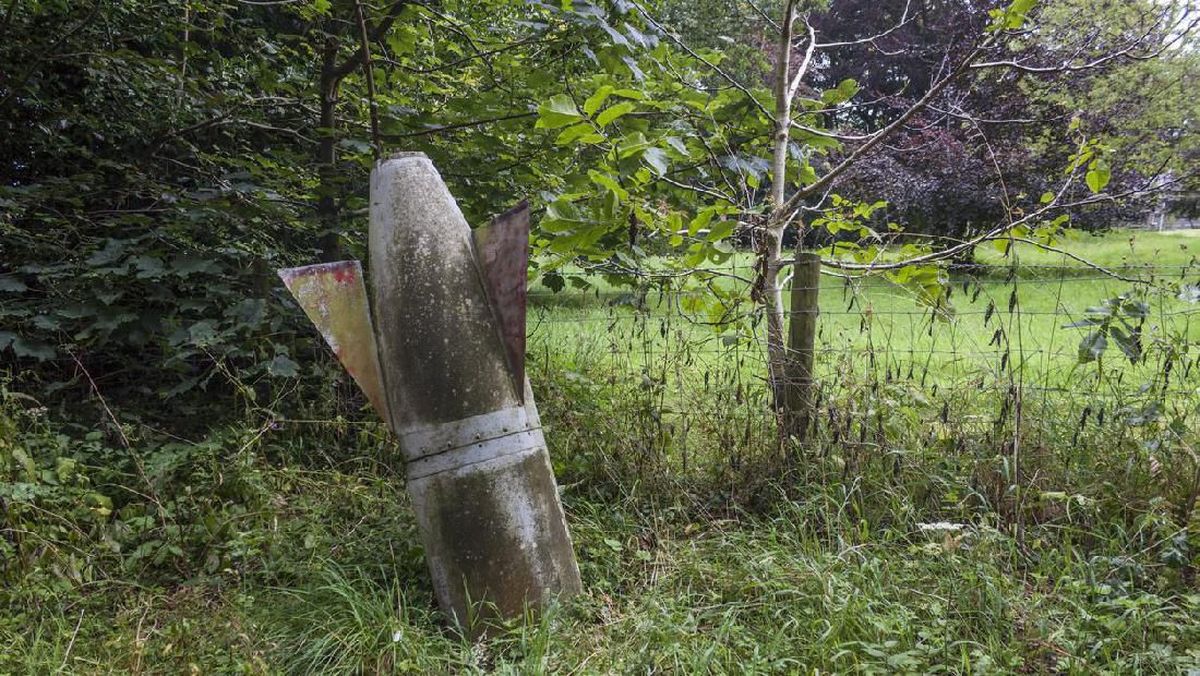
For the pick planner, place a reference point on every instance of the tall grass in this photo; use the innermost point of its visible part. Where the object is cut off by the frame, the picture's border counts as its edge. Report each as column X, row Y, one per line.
column 963, row 505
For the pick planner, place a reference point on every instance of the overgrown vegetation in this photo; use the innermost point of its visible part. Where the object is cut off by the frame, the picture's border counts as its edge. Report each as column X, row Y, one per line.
column 1002, row 475
column 285, row 543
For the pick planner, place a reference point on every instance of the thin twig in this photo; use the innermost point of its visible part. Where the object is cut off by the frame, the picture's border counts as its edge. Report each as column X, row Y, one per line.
column 369, row 75
column 71, row 644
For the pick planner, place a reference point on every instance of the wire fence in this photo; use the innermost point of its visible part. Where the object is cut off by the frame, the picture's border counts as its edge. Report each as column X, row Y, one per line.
column 1038, row 350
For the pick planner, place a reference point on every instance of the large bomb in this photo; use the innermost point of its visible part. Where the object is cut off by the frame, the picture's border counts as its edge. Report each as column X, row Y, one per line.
column 443, row 362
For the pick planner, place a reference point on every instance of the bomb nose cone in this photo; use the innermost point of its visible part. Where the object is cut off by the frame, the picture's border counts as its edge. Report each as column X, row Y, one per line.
column 441, row 354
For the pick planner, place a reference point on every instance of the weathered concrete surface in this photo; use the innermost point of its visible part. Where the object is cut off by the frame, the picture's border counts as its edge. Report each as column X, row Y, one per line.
column 335, row 300
column 479, row 474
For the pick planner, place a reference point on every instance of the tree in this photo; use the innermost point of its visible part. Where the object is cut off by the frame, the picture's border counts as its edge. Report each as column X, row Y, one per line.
column 160, row 159
column 744, row 158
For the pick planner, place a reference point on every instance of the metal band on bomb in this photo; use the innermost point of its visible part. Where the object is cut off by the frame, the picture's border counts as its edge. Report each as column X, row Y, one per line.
column 454, row 445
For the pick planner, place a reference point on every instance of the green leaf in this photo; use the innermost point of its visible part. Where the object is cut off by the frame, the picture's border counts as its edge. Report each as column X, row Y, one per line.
column 1098, row 176
column 807, row 175
column 583, row 133
column 701, row 221
column 657, row 159
column 1137, row 309
column 203, row 332
column 148, row 267
column 283, row 367
column 845, row 91
column 614, row 112
column 1017, row 13
column 31, row 349
column 112, row 250
column 554, row 281
column 11, row 284
column 632, row 144
column 1092, row 346
column 609, row 182
column 1128, row 343
column 559, row 111
column 721, row 230
column 629, row 94
column 593, row 102
column 185, row 266
column 678, row 145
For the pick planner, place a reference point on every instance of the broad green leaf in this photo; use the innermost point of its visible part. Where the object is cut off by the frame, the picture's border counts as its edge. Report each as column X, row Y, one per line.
column 677, row 144
column 608, row 182
column 612, row 201
column 1017, row 13
column 583, row 133
column 806, row 175
column 614, row 112
column 593, row 102
column 1128, row 343
column 657, row 159
column 632, row 144
column 1098, row 176
column 559, row 111
column 629, row 94
column 721, row 230
column 11, row 284
column 845, row 91
column 701, row 221
column 32, row 349
column 283, row 367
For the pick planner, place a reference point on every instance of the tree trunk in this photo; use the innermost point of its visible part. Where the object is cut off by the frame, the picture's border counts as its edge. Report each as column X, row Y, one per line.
column 772, row 246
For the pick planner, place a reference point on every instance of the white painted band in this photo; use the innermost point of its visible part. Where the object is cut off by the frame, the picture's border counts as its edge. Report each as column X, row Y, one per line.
column 524, row 442
column 420, row 442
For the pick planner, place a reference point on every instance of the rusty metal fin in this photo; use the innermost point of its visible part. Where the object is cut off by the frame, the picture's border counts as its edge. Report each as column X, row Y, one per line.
column 335, row 299
column 503, row 251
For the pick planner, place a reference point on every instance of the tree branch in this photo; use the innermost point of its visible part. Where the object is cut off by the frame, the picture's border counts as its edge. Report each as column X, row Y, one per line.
column 372, row 106
column 456, row 126
column 876, row 138
column 361, row 55
column 994, row 233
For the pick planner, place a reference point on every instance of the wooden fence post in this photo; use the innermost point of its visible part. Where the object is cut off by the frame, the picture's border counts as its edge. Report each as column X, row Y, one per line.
column 802, row 332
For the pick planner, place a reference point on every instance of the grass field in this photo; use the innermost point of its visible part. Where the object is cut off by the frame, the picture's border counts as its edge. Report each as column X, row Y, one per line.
column 917, row 536
column 1052, row 290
